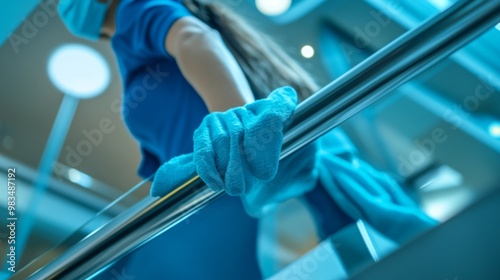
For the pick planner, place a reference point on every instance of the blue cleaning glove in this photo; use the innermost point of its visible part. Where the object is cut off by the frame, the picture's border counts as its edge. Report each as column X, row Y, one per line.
column 234, row 150
column 364, row 193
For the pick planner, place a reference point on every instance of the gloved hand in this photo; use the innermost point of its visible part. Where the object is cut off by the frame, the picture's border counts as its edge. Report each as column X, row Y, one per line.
column 238, row 151
column 373, row 196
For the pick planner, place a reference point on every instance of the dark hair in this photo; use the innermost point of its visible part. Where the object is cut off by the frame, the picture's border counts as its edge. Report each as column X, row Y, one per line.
column 265, row 65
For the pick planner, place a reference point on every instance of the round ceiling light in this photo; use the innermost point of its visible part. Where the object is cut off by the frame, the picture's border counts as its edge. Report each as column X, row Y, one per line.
column 273, row 7
column 307, row 51
column 78, row 70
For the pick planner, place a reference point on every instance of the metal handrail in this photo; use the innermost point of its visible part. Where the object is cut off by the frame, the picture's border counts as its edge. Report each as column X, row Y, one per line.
column 403, row 59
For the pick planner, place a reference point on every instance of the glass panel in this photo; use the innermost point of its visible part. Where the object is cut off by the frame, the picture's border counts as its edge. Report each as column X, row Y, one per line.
column 67, row 212
column 475, row 57
column 90, row 226
column 84, row 169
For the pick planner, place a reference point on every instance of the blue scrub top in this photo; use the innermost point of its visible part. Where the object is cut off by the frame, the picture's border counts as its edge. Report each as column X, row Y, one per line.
column 162, row 110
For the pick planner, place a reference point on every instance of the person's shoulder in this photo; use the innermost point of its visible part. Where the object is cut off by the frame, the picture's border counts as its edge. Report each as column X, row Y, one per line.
column 141, row 25
column 131, row 11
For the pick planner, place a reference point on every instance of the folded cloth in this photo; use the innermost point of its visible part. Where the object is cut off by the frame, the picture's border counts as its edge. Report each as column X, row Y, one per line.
column 365, row 193
column 236, row 151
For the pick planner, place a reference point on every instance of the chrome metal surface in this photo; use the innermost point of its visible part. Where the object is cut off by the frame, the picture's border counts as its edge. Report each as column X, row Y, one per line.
column 400, row 61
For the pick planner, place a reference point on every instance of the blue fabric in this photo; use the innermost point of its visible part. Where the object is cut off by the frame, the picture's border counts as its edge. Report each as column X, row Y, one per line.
column 160, row 107
column 217, row 243
column 226, row 147
column 83, row 18
column 328, row 216
column 365, row 193
column 296, row 175
column 238, row 151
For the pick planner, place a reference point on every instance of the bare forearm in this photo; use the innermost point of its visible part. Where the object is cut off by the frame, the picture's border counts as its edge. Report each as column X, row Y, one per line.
column 211, row 69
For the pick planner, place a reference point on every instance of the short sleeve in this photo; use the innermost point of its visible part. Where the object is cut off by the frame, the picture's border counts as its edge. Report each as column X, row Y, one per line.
column 144, row 24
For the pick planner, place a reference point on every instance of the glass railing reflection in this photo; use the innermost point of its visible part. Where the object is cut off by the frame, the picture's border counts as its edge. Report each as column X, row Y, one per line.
column 437, row 136
column 341, row 255
column 68, row 210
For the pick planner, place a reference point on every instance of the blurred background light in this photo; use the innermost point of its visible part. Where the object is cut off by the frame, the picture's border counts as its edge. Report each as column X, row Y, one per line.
column 79, row 178
column 273, row 7
column 441, row 4
column 307, row 51
column 78, row 70
column 497, row 27
column 439, row 178
column 444, row 205
column 495, row 129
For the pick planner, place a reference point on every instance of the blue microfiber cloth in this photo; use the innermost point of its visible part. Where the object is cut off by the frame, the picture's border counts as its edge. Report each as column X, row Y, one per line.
column 234, row 150
column 238, row 151
column 365, row 193
column 296, row 175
